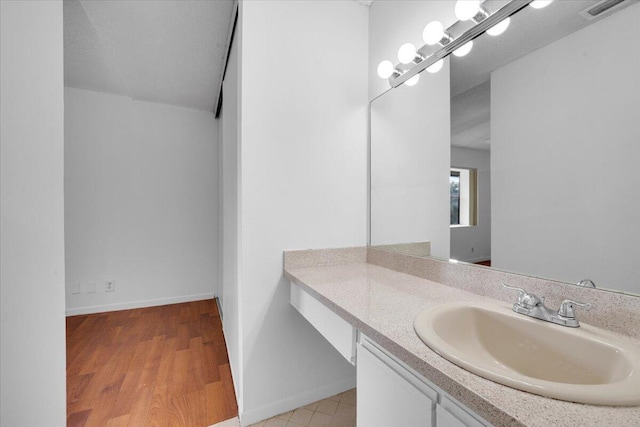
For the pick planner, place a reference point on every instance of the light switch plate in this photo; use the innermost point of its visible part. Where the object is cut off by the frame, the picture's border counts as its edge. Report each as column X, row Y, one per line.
column 91, row 287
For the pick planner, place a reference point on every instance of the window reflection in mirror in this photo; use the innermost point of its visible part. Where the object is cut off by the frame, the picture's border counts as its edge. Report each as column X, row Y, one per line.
column 463, row 187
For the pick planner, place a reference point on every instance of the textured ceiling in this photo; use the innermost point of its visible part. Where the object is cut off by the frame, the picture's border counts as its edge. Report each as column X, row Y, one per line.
column 171, row 52
column 470, row 118
column 530, row 30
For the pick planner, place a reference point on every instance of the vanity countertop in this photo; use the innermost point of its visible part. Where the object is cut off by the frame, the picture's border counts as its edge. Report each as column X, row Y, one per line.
column 382, row 304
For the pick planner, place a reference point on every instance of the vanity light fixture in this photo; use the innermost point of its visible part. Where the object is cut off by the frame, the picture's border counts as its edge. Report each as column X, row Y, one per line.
column 434, row 33
column 471, row 10
column 464, row 49
column 406, row 53
column 492, row 17
column 467, row 9
column 418, row 58
column 435, row 67
column 386, row 70
column 499, row 28
column 539, row 4
column 413, row 80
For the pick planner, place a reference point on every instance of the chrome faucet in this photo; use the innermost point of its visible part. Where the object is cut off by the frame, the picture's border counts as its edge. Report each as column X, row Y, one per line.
column 533, row 306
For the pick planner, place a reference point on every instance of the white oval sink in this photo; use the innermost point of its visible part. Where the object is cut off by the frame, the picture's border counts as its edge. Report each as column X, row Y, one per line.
column 585, row 364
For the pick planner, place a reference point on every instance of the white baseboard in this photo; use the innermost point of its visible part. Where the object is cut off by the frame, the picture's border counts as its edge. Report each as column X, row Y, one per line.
column 137, row 304
column 219, row 308
column 258, row 414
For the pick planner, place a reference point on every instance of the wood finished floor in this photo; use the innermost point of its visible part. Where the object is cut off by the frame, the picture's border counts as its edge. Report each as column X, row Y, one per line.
column 157, row 366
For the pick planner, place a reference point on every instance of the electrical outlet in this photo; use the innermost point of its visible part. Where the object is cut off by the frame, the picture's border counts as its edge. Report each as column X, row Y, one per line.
column 91, row 287
column 110, row 286
column 74, row 288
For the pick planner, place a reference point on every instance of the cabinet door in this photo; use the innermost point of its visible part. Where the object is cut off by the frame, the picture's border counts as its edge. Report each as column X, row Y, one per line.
column 446, row 419
column 388, row 395
column 451, row 414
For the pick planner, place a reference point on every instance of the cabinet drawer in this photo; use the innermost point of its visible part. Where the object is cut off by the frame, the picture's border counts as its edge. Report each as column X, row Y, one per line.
column 340, row 334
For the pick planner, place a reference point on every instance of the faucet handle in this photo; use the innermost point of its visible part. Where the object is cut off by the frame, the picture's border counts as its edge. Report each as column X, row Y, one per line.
column 525, row 299
column 586, row 283
column 515, row 288
column 567, row 308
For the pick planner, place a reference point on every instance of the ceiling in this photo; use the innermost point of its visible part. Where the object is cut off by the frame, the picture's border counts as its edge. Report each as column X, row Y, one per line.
column 165, row 51
column 529, row 30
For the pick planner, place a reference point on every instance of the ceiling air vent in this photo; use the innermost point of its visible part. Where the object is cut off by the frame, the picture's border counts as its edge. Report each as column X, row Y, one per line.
column 601, row 8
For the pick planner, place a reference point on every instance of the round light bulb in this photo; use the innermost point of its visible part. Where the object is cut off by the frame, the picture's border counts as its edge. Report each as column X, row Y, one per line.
column 499, row 28
column 467, row 9
column 385, row 69
column 413, row 80
column 406, row 53
column 539, row 4
column 436, row 67
column 464, row 49
column 433, row 33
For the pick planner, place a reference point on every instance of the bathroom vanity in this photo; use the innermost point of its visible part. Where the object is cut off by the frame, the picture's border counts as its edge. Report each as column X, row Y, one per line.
column 389, row 392
column 364, row 301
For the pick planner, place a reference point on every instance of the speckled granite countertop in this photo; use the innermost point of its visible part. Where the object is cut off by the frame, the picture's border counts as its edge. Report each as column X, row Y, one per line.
column 382, row 304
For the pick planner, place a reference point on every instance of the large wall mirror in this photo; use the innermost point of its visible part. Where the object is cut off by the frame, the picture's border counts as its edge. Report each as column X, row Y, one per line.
column 523, row 155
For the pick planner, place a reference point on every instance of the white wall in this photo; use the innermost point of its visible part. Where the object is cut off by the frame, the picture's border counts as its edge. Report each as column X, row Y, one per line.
column 229, row 208
column 395, row 22
column 303, row 185
column 32, row 345
column 410, row 158
column 565, row 129
column 472, row 244
column 140, row 201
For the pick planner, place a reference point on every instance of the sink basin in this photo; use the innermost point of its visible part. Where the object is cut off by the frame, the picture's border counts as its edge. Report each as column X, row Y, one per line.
column 585, row 364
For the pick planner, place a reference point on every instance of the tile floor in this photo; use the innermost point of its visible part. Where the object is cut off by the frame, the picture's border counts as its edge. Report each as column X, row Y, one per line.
column 335, row 411
column 232, row 422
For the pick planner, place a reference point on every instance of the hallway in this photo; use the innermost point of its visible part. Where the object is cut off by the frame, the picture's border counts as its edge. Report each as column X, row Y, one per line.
column 161, row 366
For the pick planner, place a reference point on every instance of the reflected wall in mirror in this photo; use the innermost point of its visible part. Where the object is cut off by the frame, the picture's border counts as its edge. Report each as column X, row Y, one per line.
column 548, row 115
column 409, row 165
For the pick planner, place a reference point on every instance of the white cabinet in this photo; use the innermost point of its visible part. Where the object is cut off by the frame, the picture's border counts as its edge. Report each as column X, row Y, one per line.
column 452, row 414
column 334, row 328
column 390, row 394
